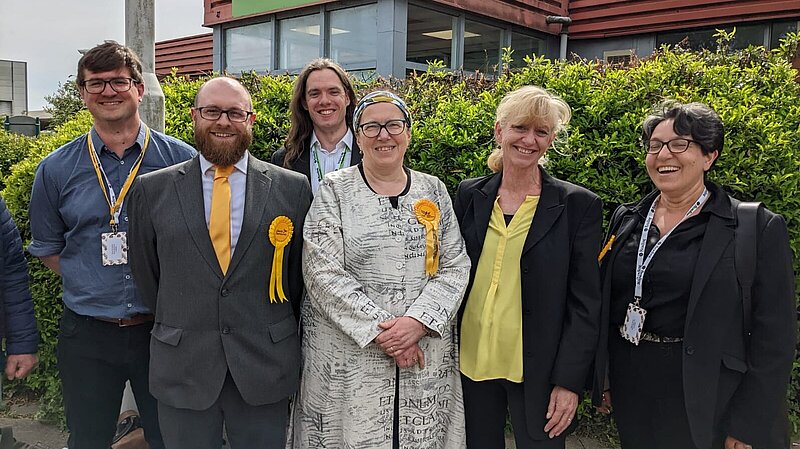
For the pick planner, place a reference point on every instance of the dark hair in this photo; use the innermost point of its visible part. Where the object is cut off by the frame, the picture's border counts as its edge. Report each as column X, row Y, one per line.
column 302, row 126
column 110, row 56
column 693, row 119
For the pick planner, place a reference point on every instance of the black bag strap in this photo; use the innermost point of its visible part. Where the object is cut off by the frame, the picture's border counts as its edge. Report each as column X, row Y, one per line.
column 745, row 256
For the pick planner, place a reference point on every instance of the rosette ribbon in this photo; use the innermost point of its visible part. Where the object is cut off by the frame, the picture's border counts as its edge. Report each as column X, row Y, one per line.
column 280, row 233
column 428, row 215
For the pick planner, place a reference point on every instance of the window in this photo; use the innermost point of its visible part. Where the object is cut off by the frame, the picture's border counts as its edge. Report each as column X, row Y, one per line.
column 248, row 48
column 430, row 36
column 618, row 57
column 704, row 39
column 352, row 35
column 299, row 41
column 524, row 45
column 780, row 30
column 481, row 47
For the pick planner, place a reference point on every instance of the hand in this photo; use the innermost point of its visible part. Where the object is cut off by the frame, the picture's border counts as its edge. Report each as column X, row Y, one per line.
column 733, row 443
column 19, row 365
column 605, row 403
column 399, row 334
column 560, row 411
column 410, row 357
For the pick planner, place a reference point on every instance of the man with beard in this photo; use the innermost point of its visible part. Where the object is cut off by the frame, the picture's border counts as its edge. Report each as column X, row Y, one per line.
column 79, row 221
column 216, row 250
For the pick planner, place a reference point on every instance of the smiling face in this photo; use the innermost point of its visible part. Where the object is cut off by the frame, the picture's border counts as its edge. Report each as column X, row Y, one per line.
column 110, row 107
column 677, row 174
column 326, row 101
column 222, row 142
column 384, row 152
column 523, row 145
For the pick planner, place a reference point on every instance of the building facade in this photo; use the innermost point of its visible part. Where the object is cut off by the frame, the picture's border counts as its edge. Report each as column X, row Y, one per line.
column 390, row 37
column 13, row 88
column 393, row 37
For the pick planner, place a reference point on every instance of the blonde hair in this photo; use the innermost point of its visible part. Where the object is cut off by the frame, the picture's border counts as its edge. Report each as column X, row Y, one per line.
column 529, row 105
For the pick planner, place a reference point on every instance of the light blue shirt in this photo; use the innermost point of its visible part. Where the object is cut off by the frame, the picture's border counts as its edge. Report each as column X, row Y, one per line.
column 238, row 182
column 329, row 159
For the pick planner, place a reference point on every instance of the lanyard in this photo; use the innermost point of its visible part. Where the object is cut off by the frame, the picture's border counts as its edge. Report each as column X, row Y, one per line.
column 114, row 202
column 641, row 262
column 321, row 175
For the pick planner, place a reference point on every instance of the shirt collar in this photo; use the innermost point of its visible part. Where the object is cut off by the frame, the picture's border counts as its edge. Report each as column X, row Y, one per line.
column 99, row 145
column 345, row 143
column 240, row 166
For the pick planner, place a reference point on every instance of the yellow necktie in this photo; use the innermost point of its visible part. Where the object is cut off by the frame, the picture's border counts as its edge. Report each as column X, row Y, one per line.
column 219, row 226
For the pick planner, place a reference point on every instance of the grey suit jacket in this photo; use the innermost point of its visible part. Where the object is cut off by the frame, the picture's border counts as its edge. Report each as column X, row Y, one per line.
column 207, row 323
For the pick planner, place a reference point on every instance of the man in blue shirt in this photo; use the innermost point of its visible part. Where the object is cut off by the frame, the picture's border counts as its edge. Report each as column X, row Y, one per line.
column 79, row 224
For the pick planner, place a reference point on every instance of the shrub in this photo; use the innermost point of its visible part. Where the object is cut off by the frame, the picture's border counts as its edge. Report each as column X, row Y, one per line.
column 753, row 90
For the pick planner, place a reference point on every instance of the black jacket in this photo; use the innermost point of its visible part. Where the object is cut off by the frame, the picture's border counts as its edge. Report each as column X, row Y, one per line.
column 726, row 382
column 560, row 284
column 303, row 163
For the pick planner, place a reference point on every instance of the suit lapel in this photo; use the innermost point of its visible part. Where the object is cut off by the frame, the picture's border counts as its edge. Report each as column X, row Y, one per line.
column 547, row 212
column 716, row 239
column 303, row 163
column 355, row 158
column 190, row 195
column 482, row 205
column 255, row 201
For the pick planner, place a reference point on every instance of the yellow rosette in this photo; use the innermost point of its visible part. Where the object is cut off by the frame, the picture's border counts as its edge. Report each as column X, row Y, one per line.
column 428, row 215
column 280, row 233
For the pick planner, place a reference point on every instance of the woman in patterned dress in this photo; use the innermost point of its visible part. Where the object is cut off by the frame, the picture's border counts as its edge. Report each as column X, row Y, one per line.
column 385, row 270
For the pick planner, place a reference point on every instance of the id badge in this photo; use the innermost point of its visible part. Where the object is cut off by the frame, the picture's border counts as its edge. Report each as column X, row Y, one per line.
column 114, row 248
column 631, row 329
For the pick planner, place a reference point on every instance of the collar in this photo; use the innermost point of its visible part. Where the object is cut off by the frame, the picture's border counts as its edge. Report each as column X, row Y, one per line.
column 99, row 145
column 241, row 165
column 345, row 143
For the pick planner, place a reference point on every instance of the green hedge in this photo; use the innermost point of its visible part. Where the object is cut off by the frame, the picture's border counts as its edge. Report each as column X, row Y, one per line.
column 754, row 91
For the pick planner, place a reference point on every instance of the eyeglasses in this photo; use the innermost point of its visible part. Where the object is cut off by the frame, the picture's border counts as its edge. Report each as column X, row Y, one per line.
column 679, row 145
column 119, row 85
column 373, row 129
column 234, row 115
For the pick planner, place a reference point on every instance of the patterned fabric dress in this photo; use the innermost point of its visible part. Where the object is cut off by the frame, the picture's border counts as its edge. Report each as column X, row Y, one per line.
column 364, row 263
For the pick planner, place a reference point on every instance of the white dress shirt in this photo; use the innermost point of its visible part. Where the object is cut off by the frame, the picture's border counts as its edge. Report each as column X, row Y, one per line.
column 329, row 159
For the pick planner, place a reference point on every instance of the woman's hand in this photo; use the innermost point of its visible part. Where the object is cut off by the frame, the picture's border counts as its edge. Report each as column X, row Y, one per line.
column 410, row 357
column 399, row 334
column 560, row 411
column 605, row 403
column 733, row 443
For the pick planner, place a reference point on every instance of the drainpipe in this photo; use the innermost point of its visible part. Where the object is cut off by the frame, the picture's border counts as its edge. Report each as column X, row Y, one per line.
column 564, row 21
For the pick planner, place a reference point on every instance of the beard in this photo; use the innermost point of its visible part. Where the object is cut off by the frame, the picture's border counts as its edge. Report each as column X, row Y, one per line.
column 223, row 154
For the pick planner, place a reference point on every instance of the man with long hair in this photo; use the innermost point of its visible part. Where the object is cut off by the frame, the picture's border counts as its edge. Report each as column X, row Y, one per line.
column 321, row 138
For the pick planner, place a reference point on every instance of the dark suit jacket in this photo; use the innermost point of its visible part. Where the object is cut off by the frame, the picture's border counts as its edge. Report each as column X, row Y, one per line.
column 303, row 163
column 207, row 324
column 560, row 284
column 726, row 383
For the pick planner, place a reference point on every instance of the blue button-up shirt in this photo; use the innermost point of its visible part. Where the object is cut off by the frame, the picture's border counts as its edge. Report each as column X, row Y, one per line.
column 69, row 212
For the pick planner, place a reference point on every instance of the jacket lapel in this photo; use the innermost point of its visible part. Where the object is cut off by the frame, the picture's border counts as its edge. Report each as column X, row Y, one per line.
column 547, row 211
column 255, row 201
column 482, row 204
column 355, row 157
column 190, row 195
column 303, row 162
column 717, row 237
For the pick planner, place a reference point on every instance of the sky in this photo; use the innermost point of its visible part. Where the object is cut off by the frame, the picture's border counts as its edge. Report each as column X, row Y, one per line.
column 47, row 34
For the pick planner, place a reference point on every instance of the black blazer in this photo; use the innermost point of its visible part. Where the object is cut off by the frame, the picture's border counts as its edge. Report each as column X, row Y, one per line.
column 560, row 284
column 726, row 383
column 303, row 163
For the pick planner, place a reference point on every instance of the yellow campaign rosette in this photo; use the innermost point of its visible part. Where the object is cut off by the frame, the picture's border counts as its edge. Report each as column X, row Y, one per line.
column 428, row 215
column 280, row 233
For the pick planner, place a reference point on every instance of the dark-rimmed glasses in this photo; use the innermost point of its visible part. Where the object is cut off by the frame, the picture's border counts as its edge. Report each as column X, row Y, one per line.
column 678, row 145
column 234, row 115
column 393, row 127
column 119, row 85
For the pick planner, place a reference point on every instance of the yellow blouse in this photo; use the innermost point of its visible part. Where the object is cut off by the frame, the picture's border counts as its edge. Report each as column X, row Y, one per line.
column 491, row 329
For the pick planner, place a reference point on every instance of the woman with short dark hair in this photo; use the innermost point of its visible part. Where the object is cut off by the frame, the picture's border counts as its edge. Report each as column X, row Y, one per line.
column 685, row 366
